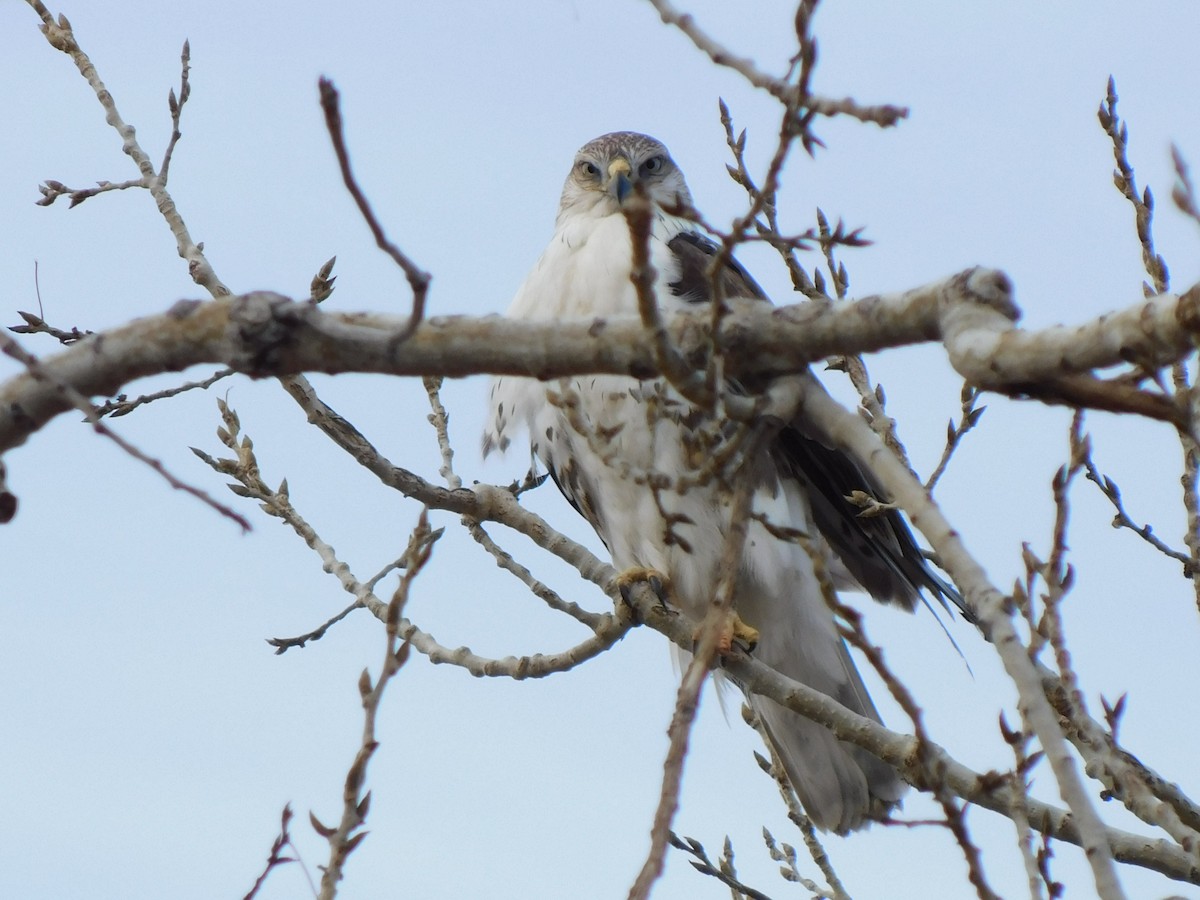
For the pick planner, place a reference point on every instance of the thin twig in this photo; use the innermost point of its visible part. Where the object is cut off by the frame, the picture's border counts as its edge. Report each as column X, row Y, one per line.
column 121, row 406
column 276, row 858
column 933, row 775
column 51, row 190
column 175, row 104
column 1019, row 780
column 418, row 280
column 780, row 88
column 283, row 645
column 1187, row 395
column 1122, row 519
column 60, row 36
column 640, row 215
column 346, row 837
column 955, row 433
column 1123, row 178
column 1184, row 191
column 704, row 865
column 773, row 767
column 11, row 348
column 38, row 325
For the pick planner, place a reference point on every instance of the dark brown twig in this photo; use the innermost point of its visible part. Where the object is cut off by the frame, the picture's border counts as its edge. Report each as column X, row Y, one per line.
column 283, row 645
column 38, row 325
column 276, row 859
column 418, row 279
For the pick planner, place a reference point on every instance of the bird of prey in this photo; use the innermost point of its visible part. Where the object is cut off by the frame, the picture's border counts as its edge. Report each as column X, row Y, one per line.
column 612, row 442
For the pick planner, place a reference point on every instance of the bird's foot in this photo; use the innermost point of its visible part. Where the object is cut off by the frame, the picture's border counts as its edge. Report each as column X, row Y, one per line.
column 730, row 630
column 655, row 580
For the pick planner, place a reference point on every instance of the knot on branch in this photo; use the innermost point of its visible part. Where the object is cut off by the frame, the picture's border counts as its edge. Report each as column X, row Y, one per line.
column 976, row 309
column 263, row 325
column 1187, row 312
column 990, row 289
column 60, row 35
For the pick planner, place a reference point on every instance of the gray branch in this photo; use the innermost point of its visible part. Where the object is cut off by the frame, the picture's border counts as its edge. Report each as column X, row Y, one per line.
column 266, row 334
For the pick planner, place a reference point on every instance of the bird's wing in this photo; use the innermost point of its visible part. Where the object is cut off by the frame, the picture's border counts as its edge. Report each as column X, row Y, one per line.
column 879, row 551
column 694, row 253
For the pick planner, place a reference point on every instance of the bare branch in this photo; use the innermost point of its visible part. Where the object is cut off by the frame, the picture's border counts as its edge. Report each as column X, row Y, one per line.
column 122, row 406
column 346, row 836
column 60, row 36
column 283, row 645
column 70, row 398
column 484, row 503
column 1143, row 204
column 981, row 789
column 1122, row 519
column 51, row 190
column 812, row 843
column 667, row 358
column 37, row 325
column 175, row 104
column 722, row 873
column 779, row 88
column 971, row 415
column 418, row 280
column 267, row 334
column 1184, row 191
column 988, row 605
column 1187, row 394
column 713, row 636
column 276, row 858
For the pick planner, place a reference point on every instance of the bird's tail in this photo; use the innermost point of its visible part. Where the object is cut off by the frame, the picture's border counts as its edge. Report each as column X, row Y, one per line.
column 842, row 786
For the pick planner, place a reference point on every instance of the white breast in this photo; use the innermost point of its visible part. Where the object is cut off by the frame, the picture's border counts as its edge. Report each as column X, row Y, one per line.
column 583, row 273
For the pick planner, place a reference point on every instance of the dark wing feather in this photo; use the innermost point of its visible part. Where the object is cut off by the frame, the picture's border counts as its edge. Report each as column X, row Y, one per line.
column 695, row 254
column 879, row 551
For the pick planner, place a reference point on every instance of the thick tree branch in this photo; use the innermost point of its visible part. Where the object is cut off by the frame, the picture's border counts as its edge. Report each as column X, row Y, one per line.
column 263, row 334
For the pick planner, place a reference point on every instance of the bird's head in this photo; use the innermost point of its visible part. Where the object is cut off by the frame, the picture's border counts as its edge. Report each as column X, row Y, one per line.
column 607, row 169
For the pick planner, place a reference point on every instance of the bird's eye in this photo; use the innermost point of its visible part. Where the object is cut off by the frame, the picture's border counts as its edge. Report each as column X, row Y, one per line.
column 653, row 165
column 588, row 169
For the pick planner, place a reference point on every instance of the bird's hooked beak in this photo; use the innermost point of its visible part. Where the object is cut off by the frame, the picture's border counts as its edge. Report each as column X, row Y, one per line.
column 619, row 184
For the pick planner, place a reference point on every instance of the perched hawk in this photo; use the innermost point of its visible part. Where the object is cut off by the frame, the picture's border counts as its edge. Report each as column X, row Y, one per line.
column 601, row 436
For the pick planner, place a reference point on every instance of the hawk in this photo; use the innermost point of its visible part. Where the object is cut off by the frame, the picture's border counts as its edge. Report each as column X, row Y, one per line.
column 608, row 440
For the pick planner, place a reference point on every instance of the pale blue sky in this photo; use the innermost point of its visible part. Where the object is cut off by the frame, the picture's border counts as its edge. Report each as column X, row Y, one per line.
column 150, row 738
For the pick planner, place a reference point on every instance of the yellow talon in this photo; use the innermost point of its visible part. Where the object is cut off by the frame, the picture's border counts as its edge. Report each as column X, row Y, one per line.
column 745, row 633
column 733, row 628
column 654, row 579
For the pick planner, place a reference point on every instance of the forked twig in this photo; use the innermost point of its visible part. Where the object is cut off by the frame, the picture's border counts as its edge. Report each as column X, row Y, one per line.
column 10, row 347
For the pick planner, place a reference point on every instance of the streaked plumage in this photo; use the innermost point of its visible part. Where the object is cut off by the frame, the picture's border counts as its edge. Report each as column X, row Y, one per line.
column 601, row 436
